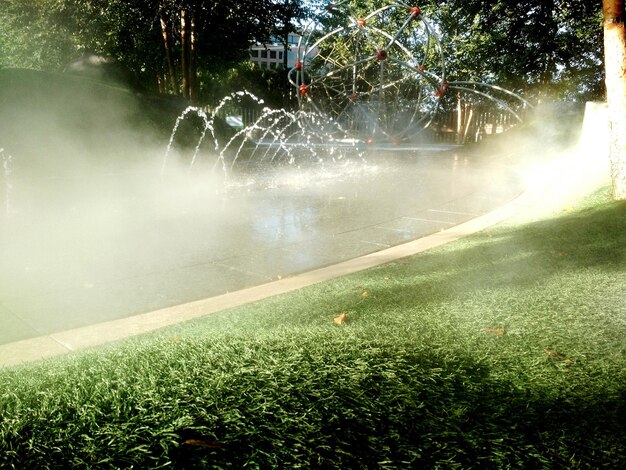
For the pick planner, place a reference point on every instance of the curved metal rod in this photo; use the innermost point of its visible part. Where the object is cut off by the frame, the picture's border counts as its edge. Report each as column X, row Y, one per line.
column 400, row 30
column 489, row 97
column 494, row 87
column 323, row 38
column 430, row 32
column 432, row 78
column 380, row 10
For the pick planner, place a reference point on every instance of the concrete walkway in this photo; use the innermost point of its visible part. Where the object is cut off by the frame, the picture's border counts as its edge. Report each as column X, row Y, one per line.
column 280, row 240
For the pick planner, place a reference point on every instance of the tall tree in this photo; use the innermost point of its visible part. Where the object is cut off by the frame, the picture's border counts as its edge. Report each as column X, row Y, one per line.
column 147, row 36
column 167, row 45
column 193, row 61
column 185, row 46
column 615, row 66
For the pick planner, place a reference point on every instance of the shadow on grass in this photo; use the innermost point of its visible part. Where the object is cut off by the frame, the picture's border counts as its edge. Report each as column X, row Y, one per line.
column 403, row 409
column 304, row 401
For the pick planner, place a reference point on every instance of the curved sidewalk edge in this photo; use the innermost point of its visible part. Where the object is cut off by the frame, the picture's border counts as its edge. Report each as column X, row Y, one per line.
column 548, row 186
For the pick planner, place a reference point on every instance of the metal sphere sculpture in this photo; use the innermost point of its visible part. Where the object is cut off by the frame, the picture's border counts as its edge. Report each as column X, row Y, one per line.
column 375, row 82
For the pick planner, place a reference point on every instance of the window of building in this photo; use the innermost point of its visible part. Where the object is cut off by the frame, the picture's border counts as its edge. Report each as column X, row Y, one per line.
column 272, row 54
column 264, row 54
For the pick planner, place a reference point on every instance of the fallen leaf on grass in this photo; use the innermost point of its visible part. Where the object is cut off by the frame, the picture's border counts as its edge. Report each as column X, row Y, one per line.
column 204, row 443
column 364, row 293
column 495, row 331
column 341, row 319
column 557, row 355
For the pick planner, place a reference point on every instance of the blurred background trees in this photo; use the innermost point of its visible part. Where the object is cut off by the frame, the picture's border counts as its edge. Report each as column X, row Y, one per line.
column 545, row 49
column 170, row 46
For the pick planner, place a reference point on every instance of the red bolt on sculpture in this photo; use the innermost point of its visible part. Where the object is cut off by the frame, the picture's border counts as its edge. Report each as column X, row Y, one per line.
column 298, row 65
column 381, row 54
column 441, row 91
column 415, row 12
column 421, row 68
column 304, row 89
column 361, row 22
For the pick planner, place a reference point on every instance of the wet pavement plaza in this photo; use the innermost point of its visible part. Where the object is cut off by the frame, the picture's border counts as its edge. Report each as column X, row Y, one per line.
column 82, row 250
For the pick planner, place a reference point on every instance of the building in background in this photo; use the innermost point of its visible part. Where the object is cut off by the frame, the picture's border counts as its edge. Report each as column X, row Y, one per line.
column 271, row 55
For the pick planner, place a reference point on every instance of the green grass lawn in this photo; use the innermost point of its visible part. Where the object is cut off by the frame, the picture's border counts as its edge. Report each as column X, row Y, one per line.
column 504, row 349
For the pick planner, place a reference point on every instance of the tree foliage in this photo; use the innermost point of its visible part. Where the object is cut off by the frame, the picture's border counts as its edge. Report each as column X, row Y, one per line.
column 543, row 48
column 47, row 34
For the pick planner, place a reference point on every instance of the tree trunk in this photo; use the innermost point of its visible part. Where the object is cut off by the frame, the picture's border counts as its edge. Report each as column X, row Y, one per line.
column 459, row 119
column 286, row 51
column 193, row 61
column 185, row 42
column 168, row 52
column 468, row 123
column 615, row 68
column 160, row 82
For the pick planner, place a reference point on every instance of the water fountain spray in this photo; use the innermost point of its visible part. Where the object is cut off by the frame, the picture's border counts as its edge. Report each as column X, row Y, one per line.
column 272, row 136
column 359, row 84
